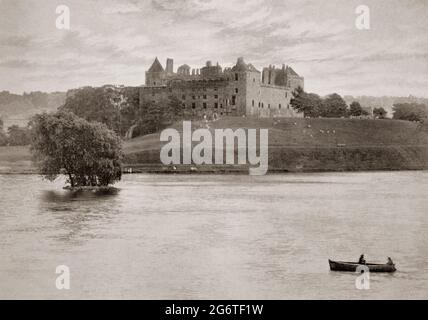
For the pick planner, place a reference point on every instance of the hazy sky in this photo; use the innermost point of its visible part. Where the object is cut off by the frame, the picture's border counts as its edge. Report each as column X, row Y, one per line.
column 114, row 42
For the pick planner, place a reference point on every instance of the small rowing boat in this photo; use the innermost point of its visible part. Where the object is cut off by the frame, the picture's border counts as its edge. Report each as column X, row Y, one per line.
column 352, row 266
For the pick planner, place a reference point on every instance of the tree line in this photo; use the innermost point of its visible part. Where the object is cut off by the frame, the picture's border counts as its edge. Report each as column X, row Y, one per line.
column 332, row 106
column 120, row 109
column 410, row 112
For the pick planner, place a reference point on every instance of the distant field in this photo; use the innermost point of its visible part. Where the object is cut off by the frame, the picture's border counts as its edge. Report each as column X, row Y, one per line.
column 294, row 145
column 15, row 160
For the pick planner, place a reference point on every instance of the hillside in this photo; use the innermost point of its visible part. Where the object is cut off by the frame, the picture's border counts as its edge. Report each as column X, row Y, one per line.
column 18, row 109
column 294, row 145
column 315, row 144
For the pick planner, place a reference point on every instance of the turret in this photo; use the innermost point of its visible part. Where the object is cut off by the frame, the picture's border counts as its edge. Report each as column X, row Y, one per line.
column 156, row 74
column 169, row 66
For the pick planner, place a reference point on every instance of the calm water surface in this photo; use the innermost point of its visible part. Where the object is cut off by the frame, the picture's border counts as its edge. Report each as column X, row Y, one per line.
column 212, row 237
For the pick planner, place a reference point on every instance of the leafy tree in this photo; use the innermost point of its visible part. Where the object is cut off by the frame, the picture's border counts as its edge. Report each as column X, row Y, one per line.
column 1, row 124
column 314, row 105
column 95, row 104
column 379, row 113
column 356, row 110
column 297, row 101
column 334, row 106
column 174, row 110
column 410, row 111
column 152, row 120
column 18, row 136
column 88, row 153
column 307, row 103
column 153, row 116
column 130, row 110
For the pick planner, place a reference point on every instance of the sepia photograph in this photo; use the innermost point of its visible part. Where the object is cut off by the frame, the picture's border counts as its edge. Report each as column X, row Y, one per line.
column 188, row 150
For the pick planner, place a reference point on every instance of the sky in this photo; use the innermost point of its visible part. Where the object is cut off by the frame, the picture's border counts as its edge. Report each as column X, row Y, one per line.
column 115, row 42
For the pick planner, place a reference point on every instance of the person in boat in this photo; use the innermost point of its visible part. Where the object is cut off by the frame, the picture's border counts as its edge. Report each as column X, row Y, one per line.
column 390, row 261
column 362, row 260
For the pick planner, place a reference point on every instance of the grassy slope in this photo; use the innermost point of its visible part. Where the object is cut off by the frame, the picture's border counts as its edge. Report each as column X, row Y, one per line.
column 311, row 132
column 294, row 144
column 311, row 144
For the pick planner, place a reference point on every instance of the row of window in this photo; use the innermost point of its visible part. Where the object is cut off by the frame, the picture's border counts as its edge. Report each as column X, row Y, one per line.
column 204, row 105
column 204, row 89
column 183, row 97
column 233, row 101
column 261, row 105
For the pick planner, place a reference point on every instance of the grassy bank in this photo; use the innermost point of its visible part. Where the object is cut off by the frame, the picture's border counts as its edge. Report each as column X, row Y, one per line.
column 309, row 145
column 294, row 145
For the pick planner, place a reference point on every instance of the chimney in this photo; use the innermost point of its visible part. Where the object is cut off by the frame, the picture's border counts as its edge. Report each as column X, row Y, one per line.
column 169, row 66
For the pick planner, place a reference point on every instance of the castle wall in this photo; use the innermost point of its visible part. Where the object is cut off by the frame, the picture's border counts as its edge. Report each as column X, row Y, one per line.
column 202, row 97
column 237, row 92
column 271, row 101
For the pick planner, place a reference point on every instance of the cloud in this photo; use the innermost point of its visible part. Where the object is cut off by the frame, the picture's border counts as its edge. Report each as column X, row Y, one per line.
column 16, row 41
column 116, row 40
column 16, row 64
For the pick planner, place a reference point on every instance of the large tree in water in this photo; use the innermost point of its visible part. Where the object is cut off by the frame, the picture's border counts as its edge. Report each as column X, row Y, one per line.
column 88, row 153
